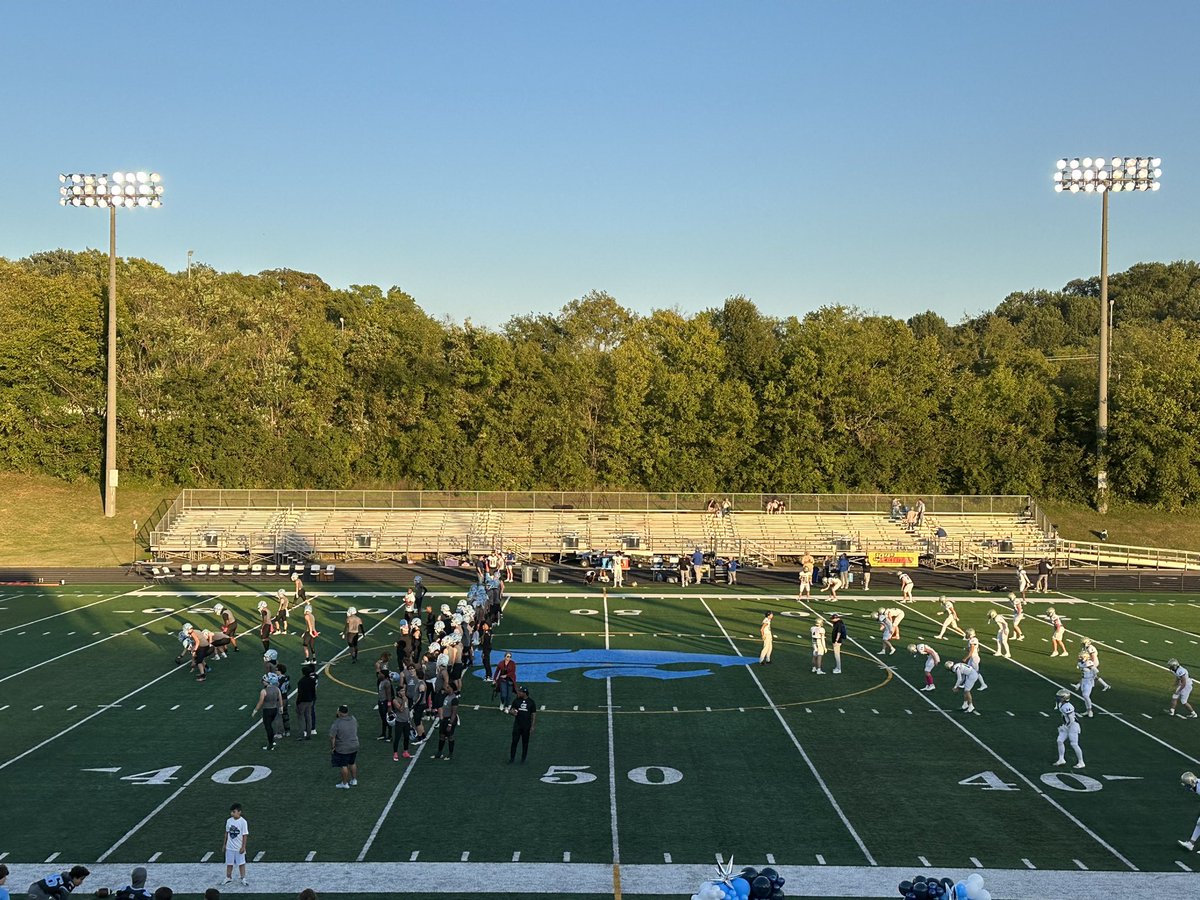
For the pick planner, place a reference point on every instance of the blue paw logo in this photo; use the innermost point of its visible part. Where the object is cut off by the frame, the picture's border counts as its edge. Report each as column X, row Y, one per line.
column 540, row 666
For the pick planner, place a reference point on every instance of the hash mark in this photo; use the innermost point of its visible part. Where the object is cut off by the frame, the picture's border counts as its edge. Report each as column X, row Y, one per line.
column 414, row 856
column 466, row 854
column 721, row 859
column 566, row 856
column 53, row 856
column 975, row 862
column 1145, row 716
column 1046, row 715
column 1011, row 713
column 1028, row 864
column 909, row 711
column 259, row 855
column 820, row 860
column 842, row 711
column 206, row 857
column 207, row 708
column 666, row 858
column 923, row 861
column 516, row 856
column 140, row 708
column 310, row 856
column 875, row 711
column 75, row 706
column 175, row 707
column 1182, row 866
column 770, row 859
column 1081, row 865
column 155, row 857
column 35, row 709
column 674, row 709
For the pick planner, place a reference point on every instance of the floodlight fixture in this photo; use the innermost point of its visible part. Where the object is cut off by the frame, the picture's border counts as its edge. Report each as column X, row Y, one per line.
column 1105, row 175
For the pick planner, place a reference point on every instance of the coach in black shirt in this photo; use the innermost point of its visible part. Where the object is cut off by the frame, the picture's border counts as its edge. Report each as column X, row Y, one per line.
column 524, row 711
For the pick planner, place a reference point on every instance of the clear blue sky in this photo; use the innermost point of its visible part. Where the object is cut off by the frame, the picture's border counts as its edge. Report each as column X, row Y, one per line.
column 496, row 159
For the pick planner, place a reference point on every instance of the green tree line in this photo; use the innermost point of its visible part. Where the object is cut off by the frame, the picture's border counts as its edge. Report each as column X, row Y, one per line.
column 238, row 380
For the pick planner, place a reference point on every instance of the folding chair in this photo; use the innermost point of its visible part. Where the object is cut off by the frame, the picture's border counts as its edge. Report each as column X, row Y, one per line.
column 256, row 569
column 228, row 570
column 186, row 570
column 314, row 571
column 201, row 570
column 329, row 570
column 243, row 570
column 270, row 570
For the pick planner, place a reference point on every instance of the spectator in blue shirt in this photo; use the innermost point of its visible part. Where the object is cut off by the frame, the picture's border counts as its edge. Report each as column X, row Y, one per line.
column 733, row 570
column 843, row 567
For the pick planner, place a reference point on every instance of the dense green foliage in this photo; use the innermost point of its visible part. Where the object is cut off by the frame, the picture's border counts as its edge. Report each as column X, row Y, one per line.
column 249, row 381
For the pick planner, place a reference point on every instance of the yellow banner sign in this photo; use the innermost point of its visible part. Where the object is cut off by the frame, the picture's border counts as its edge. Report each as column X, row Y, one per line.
column 893, row 559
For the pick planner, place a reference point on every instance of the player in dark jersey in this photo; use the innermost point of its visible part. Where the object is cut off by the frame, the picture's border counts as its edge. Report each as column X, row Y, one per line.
column 447, row 724
column 229, row 625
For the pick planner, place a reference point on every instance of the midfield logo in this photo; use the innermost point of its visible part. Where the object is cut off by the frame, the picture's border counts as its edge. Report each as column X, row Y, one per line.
column 540, row 666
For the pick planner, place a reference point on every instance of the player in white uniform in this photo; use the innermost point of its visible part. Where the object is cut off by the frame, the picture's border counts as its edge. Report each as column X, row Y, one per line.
column 1087, row 681
column 1068, row 731
column 931, row 660
column 887, row 628
column 972, row 657
column 906, row 588
column 1183, row 688
column 1001, row 624
column 1191, row 784
column 1094, row 655
column 1056, row 639
column 951, row 620
column 1022, row 582
column 818, row 644
column 964, row 680
column 896, row 615
column 1018, row 607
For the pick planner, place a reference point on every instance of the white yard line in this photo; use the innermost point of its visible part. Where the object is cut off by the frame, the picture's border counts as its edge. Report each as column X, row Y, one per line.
column 1122, row 612
column 799, row 747
column 657, row 880
column 996, row 756
column 408, row 770
column 212, row 762
column 100, row 711
column 117, row 634
column 612, row 766
column 67, row 612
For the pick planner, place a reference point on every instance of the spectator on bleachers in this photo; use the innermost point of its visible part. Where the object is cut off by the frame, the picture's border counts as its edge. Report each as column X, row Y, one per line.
column 897, row 510
column 920, row 512
column 726, row 507
column 711, row 508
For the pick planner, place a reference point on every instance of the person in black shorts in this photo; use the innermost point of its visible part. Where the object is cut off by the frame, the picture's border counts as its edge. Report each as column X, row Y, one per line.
column 447, row 724
column 229, row 625
column 524, row 712
column 266, row 626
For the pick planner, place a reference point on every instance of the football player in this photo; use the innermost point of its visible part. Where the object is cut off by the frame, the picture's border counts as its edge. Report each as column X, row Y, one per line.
column 218, row 642
column 201, row 650
column 931, row 660
column 1056, row 638
column 837, row 636
column 972, row 657
column 1087, row 681
column 906, row 588
column 1190, row 784
column 1001, row 624
column 353, row 632
column 300, row 596
column 229, row 625
column 1094, row 655
column 964, row 680
column 310, row 632
column 1022, row 582
column 265, row 627
column 1018, row 608
column 887, row 628
column 817, row 632
column 1068, row 731
column 951, row 620
column 285, row 610
column 1183, row 688
column 896, row 615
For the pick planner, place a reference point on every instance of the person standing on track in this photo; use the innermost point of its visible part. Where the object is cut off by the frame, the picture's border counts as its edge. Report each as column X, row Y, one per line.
column 866, row 572
column 817, row 632
column 269, row 703
column 837, row 634
column 1044, row 568
column 353, row 632
column 310, row 633
column 524, row 714
column 931, row 660
column 768, row 640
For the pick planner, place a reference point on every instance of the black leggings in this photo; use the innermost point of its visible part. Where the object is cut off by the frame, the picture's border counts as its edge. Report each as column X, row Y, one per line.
column 400, row 730
column 383, row 714
column 519, row 735
column 269, row 714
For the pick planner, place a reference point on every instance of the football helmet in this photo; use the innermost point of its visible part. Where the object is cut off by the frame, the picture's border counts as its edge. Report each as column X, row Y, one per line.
column 443, row 660
column 446, row 609
column 308, row 609
column 218, row 608
column 1172, row 664
column 395, row 676
column 416, row 579
column 434, row 647
column 912, row 648
column 272, row 679
column 992, row 615
column 1063, row 696
column 439, row 626
column 456, row 619
column 271, row 656
column 1188, row 780
column 949, row 664
column 187, row 628
column 946, row 604
column 970, row 632
column 281, row 594
column 262, row 604
column 1051, row 612
column 295, row 576
column 352, row 611
column 1011, row 596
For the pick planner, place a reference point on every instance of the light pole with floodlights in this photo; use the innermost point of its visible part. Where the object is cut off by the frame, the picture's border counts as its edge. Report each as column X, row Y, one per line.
column 1105, row 176
column 118, row 190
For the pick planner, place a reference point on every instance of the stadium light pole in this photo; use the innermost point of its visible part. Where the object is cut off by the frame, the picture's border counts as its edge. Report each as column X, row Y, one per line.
column 120, row 190
column 1105, row 176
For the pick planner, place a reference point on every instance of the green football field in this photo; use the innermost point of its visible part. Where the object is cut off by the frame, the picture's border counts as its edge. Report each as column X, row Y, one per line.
column 661, row 749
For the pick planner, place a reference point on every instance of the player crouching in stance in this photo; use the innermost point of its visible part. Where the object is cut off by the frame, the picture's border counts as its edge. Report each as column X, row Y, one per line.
column 1183, row 688
column 931, row 660
column 906, row 587
column 229, row 625
column 1001, row 624
column 201, row 648
column 896, row 615
column 964, row 680
column 1190, row 784
column 951, row 620
column 1068, row 731
column 818, row 646
column 352, row 632
column 1087, row 681
column 888, row 629
column 1057, row 647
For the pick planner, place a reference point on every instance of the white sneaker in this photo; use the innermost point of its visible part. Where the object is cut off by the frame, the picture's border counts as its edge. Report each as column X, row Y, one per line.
column 820, row 671
column 1186, row 845
column 245, row 883
column 230, row 880
column 1170, row 712
column 353, row 782
column 814, row 668
column 881, row 653
column 971, row 709
column 837, row 671
column 342, row 787
column 964, row 706
column 1055, row 653
column 1061, row 762
column 1078, row 765
column 1008, row 656
column 1089, row 714
column 929, row 687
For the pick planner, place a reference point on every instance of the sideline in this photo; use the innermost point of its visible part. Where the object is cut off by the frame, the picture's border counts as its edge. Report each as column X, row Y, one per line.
column 808, row 761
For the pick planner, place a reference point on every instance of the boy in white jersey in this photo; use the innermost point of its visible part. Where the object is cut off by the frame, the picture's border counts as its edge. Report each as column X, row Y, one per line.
column 1056, row 638
column 1018, row 614
column 1068, row 731
column 964, row 680
column 1183, row 688
column 1022, row 582
column 972, row 657
column 1001, row 624
column 1087, row 681
column 931, row 660
column 887, row 628
column 951, row 620
column 906, row 588
column 1191, row 784
column 1094, row 655
column 818, row 645
column 237, row 830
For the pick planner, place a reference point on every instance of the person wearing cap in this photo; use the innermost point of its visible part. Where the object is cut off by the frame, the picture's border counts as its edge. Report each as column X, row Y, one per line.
column 58, row 885
column 136, row 889
column 353, row 632
column 524, row 713
column 837, row 637
column 343, row 746
column 768, row 640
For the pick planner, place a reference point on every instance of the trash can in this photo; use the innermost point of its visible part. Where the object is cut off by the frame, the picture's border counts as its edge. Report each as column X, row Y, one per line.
column 527, row 574
column 543, row 574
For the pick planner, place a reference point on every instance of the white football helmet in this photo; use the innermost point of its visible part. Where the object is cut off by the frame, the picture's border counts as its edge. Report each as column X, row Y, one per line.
column 992, row 615
column 262, row 604
column 1011, row 596
column 271, row 656
column 1050, row 611
column 351, row 612
column 446, row 609
column 443, row 660
column 434, row 647
column 1188, row 780
column 281, row 594
column 912, row 648
column 1172, row 664
column 295, row 576
column 456, row 619
column 970, row 632
column 439, row 626
column 949, row 664
column 1063, row 696
column 187, row 628
column 218, row 608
